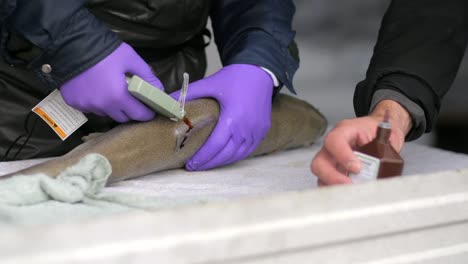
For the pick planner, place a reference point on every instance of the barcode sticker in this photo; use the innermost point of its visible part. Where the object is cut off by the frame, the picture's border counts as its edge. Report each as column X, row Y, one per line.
column 62, row 118
column 369, row 168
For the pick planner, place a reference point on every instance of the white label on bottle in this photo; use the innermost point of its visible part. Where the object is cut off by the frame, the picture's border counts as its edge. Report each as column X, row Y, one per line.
column 62, row 118
column 369, row 168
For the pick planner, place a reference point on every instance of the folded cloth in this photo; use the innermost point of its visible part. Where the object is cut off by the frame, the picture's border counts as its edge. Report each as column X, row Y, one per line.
column 86, row 178
column 76, row 193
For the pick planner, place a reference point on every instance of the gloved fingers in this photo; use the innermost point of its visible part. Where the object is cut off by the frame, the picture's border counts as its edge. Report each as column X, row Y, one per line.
column 215, row 143
column 236, row 149
column 137, row 110
column 196, row 90
column 99, row 113
column 176, row 94
column 240, row 153
column 150, row 78
column 84, row 108
column 242, row 130
column 118, row 116
column 257, row 137
column 244, row 146
column 241, row 141
column 140, row 68
column 223, row 157
column 252, row 148
column 72, row 100
column 155, row 82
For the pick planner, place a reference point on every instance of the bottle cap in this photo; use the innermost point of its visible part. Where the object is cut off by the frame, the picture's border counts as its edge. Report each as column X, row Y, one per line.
column 385, row 124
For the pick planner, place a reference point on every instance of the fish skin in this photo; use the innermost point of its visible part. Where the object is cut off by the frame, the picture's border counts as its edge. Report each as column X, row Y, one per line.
column 137, row 149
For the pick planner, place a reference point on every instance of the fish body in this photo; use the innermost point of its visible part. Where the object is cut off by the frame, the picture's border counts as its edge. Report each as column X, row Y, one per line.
column 137, row 149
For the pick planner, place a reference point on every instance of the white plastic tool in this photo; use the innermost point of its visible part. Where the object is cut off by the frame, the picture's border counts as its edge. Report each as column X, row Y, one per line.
column 158, row 100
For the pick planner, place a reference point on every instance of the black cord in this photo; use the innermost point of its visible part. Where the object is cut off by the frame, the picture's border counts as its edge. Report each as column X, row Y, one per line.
column 28, row 134
column 5, row 156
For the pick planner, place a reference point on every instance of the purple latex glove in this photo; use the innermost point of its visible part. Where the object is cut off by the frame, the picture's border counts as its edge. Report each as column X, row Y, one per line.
column 244, row 93
column 103, row 90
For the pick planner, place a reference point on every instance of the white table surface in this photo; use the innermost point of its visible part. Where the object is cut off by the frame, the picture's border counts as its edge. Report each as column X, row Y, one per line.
column 275, row 173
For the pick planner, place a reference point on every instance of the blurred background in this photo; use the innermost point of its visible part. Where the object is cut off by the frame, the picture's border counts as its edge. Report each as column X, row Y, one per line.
column 336, row 39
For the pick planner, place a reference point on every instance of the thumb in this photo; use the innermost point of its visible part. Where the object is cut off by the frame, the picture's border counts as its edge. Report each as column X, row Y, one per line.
column 397, row 141
column 140, row 68
column 196, row 90
column 339, row 144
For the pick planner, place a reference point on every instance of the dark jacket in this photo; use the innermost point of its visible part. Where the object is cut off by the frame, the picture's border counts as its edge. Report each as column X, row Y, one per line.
column 71, row 36
column 418, row 52
column 170, row 35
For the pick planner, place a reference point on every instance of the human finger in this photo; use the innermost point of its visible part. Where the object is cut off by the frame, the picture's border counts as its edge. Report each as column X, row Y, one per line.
column 222, row 157
column 340, row 142
column 196, row 90
column 137, row 110
column 118, row 116
column 213, row 145
column 324, row 167
column 241, row 152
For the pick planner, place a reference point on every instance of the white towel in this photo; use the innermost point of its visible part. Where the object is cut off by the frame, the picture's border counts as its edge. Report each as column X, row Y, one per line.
column 76, row 193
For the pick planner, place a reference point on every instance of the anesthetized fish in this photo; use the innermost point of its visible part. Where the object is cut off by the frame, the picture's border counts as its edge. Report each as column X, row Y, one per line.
column 137, row 149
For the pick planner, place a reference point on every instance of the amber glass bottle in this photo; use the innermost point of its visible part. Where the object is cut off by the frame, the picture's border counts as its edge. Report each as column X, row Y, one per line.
column 378, row 158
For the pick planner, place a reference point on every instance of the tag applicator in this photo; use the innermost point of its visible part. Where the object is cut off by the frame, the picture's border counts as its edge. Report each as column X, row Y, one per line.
column 158, row 100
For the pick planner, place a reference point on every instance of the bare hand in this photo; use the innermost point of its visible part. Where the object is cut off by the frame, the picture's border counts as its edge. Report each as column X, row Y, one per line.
column 336, row 158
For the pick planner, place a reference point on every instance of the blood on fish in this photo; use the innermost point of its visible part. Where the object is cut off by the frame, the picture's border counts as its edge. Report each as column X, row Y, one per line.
column 187, row 122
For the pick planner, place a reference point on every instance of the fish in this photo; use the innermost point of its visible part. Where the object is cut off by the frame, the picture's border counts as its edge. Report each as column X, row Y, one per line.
column 140, row 148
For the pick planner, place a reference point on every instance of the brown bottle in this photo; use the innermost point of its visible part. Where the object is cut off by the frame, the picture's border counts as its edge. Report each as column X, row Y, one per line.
column 378, row 158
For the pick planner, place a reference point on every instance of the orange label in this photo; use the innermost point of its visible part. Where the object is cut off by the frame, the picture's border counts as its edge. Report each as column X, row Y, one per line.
column 50, row 122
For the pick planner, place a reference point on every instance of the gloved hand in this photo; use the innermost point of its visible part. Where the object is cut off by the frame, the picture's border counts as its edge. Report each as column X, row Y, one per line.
column 102, row 89
column 244, row 93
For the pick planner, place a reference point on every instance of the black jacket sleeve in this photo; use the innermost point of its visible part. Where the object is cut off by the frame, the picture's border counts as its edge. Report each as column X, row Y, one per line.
column 418, row 52
column 6, row 8
column 257, row 32
column 56, row 39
